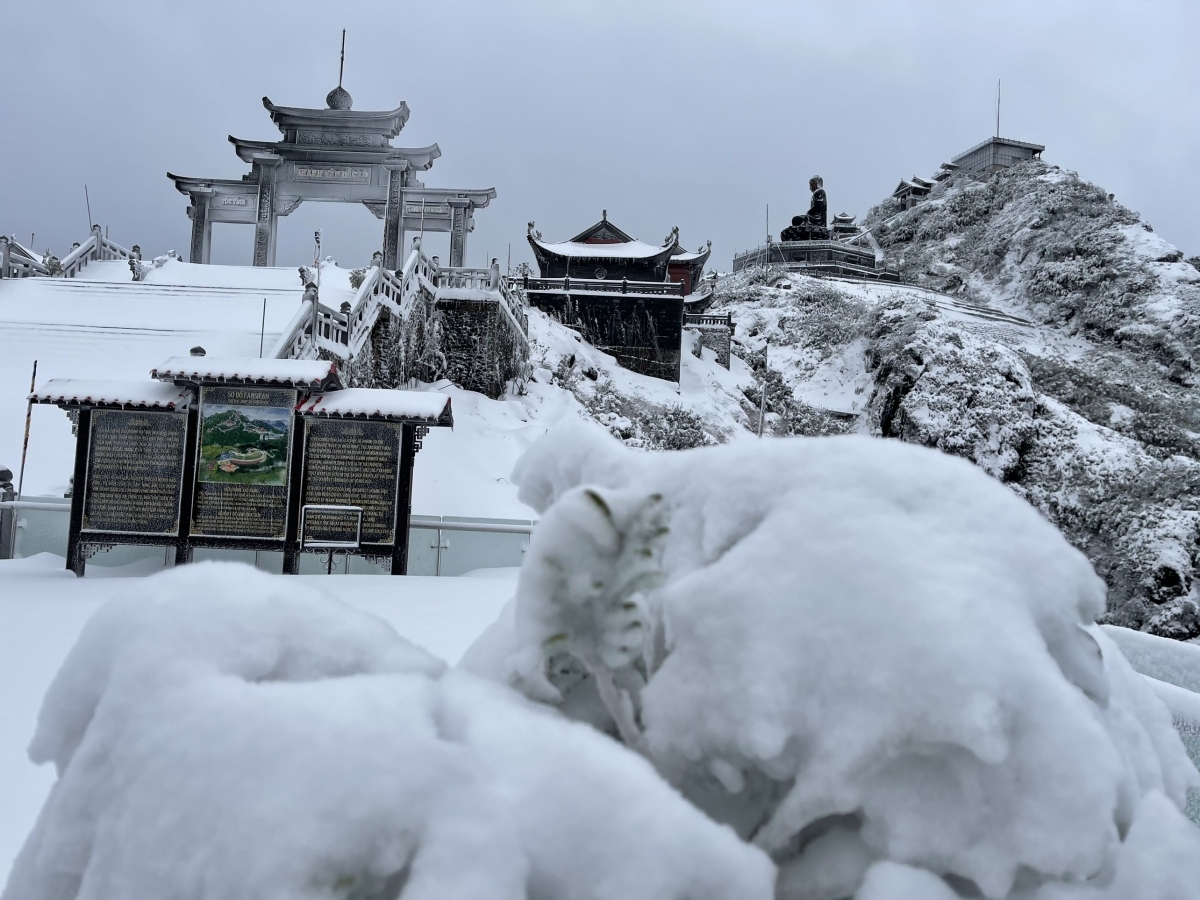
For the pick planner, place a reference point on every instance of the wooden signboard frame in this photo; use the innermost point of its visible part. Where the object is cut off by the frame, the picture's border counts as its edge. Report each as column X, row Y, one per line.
column 197, row 470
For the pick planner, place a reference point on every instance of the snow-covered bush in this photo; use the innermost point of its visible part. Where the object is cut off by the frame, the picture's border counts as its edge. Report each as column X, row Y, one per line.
column 676, row 429
column 222, row 734
column 872, row 660
column 785, row 415
column 357, row 277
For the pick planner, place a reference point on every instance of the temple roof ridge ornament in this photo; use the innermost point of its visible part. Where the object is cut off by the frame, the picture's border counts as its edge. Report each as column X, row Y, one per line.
column 339, row 97
column 603, row 231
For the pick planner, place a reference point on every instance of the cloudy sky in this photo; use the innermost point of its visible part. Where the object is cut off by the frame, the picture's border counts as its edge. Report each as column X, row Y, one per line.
column 697, row 114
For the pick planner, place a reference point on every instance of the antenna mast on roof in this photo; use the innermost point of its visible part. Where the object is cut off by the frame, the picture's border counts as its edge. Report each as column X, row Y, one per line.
column 342, row 64
column 997, row 107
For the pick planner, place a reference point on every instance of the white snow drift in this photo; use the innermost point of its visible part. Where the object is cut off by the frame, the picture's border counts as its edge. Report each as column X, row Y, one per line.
column 226, row 734
column 859, row 653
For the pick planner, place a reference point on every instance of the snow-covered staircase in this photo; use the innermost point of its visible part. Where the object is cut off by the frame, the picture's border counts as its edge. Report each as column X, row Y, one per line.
column 419, row 290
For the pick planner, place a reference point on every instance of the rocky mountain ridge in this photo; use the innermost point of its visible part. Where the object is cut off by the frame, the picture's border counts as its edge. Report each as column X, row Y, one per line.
column 1043, row 331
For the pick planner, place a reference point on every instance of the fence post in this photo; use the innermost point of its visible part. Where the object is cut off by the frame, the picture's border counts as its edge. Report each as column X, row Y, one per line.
column 8, row 517
column 97, row 253
column 5, row 253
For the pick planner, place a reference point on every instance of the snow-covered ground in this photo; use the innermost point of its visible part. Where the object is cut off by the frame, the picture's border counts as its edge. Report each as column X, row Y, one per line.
column 43, row 608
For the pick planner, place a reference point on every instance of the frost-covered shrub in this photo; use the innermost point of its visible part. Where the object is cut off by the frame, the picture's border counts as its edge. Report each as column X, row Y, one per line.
column 222, row 734
column 357, row 277
column 811, row 314
column 1058, row 245
column 748, row 285
column 872, row 660
column 785, row 414
column 675, row 429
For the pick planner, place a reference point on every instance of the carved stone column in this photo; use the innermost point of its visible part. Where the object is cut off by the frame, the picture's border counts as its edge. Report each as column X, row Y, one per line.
column 459, row 209
column 266, row 223
column 201, row 247
column 393, row 216
column 5, row 251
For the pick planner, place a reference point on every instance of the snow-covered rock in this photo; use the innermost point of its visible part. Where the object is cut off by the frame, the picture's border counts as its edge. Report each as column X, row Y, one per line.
column 222, row 734
column 853, row 651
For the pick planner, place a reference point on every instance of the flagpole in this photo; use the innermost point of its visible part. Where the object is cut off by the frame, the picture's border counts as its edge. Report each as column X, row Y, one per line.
column 25, row 445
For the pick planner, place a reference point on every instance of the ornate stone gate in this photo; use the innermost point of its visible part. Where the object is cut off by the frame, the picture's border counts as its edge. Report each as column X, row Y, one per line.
column 333, row 154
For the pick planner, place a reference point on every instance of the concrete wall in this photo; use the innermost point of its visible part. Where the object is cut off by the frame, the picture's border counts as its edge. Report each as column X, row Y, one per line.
column 715, row 338
column 471, row 342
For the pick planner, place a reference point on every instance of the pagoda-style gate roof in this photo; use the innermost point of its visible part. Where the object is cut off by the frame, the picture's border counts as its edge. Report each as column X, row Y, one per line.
column 292, row 121
column 336, row 154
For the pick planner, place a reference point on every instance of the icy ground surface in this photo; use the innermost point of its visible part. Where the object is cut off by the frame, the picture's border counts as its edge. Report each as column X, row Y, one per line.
column 43, row 609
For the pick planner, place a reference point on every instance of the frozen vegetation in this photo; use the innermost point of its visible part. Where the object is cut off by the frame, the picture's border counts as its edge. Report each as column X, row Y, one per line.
column 1097, row 420
column 873, row 661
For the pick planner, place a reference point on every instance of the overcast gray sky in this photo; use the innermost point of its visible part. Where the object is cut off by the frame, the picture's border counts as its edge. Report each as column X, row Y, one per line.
column 696, row 113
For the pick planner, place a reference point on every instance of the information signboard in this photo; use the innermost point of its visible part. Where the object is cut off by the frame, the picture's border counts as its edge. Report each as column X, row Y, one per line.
column 351, row 463
column 242, row 462
column 134, row 472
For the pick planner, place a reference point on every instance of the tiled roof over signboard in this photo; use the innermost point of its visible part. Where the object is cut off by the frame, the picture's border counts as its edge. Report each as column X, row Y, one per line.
column 68, row 392
column 312, row 374
column 414, row 407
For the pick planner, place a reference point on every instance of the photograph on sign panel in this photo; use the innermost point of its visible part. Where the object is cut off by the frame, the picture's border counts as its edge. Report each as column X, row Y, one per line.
column 244, row 444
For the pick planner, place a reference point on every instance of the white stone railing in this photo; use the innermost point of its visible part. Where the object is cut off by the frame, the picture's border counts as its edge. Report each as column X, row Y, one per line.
column 95, row 249
column 343, row 335
column 18, row 266
column 494, row 285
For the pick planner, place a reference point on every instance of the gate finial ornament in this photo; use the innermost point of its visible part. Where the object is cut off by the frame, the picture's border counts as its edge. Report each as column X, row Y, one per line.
column 339, row 97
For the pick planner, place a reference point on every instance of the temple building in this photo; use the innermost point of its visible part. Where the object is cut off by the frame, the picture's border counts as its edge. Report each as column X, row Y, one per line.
column 626, row 297
column 843, row 227
column 912, row 191
column 604, row 251
column 335, row 154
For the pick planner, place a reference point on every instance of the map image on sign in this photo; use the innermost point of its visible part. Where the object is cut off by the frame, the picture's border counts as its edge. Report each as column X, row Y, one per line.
column 244, row 444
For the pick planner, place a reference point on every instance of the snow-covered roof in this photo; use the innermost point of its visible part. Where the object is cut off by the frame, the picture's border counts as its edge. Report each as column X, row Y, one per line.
column 93, row 392
column 700, row 255
column 917, row 185
column 1000, row 142
column 623, row 250
column 421, row 407
column 308, row 373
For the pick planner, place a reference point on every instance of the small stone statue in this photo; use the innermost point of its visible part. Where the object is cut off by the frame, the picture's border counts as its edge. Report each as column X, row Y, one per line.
column 811, row 226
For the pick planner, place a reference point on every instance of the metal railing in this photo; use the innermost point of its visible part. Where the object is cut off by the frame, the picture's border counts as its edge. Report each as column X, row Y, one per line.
column 605, row 286
column 442, row 546
column 708, row 320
